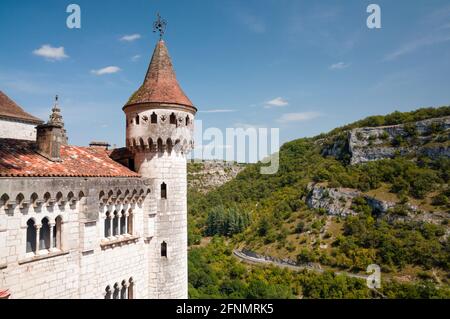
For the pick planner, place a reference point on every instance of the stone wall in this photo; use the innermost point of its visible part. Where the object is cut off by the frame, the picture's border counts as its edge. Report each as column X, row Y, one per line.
column 17, row 130
column 167, row 275
column 86, row 262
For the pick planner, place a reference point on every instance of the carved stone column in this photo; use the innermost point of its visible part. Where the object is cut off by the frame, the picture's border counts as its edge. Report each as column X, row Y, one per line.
column 38, row 235
column 52, row 229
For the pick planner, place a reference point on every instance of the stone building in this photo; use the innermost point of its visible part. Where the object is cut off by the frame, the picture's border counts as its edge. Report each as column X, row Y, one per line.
column 89, row 222
column 15, row 122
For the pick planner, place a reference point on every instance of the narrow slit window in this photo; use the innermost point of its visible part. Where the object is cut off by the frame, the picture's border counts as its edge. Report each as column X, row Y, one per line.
column 164, row 249
column 163, row 191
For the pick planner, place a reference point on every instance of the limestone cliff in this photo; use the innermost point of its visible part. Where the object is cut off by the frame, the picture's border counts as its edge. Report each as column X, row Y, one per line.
column 428, row 137
column 207, row 175
column 340, row 202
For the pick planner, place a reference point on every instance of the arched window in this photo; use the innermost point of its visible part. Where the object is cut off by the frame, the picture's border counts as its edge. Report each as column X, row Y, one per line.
column 19, row 200
column 164, row 249
column 31, row 236
column 123, row 291
column 130, row 223
column 116, row 291
column 137, row 119
column 131, row 288
column 57, row 233
column 160, row 145
column 34, row 200
column 163, row 191
column 116, row 224
column 108, row 292
column 44, row 235
column 187, row 120
column 169, row 145
column 173, row 119
column 108, row 225
column 154, row 118
column 123, row 225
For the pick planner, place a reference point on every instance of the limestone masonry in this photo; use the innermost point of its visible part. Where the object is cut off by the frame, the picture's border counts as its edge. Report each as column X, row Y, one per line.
column 89, row 222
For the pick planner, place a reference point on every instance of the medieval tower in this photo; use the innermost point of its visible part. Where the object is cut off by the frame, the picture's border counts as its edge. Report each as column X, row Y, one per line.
column 159, row 121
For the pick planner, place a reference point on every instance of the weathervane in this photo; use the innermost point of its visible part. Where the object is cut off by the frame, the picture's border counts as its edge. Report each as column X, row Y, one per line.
column 160, row 25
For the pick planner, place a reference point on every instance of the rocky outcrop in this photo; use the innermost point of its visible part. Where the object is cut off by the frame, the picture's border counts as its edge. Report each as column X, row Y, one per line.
column 207, row 175
column 374, row 143
column 336, row 201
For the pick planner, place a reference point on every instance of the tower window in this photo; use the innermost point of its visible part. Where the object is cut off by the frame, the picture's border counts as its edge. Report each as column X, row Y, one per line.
column 57, row 238
column 31, row 236
column 116, row 224
column 123, row 223
column 154, row 118
column 44, row 235
column 163, row 191
column 173, row 119
column 187, row 120
column 164, row 249
column 131, row 288
column 137, row 119
column 130, row 223
column 108, row 225
column 108, row 292
column 116, row 291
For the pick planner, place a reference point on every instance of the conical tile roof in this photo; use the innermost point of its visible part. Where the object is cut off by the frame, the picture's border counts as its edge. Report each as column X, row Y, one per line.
column 160, row 84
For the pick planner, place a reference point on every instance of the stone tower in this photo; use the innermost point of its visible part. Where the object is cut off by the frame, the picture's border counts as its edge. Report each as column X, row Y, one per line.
column 160, row 124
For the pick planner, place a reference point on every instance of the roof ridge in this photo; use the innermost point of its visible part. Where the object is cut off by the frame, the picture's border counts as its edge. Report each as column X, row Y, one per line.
column 10, row 109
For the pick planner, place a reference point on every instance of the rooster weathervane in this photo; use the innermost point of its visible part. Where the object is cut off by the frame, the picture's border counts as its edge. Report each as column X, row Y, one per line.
column 160, row 26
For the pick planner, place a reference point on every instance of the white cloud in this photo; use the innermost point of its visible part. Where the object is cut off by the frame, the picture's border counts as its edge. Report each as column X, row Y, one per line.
column 253, row 23
column 278, row 102
column 107, row 70
column 51, row 53
column 135, row 57
column 218, row 111
column 130, row 37
column 298, row 117
column 416, row 45
column 339, row 66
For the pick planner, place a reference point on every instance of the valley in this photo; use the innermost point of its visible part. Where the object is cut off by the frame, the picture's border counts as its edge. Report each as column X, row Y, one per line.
column 336, row 207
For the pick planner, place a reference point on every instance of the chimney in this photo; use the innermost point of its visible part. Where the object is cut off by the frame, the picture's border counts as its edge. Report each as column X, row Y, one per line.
column 51, row 135
column 49, row 139
column 101, row 145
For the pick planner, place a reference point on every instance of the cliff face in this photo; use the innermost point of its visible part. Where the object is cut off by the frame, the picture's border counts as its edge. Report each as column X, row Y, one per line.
column 208, row 175
column 428, row 137
column 340, row 202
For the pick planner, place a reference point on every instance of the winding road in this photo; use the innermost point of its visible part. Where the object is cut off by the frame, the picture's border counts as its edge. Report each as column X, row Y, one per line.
column 254, row 260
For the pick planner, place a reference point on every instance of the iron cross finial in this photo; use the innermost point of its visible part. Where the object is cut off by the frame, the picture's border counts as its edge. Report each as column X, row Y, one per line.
column 160, row 26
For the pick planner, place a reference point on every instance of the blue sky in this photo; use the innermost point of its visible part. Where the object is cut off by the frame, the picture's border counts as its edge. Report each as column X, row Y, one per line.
column 303, row 66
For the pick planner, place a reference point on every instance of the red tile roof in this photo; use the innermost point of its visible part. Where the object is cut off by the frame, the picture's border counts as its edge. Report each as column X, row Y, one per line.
column 160, row 84
column 9, row 109
column 4, row 294
column 18, row 158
